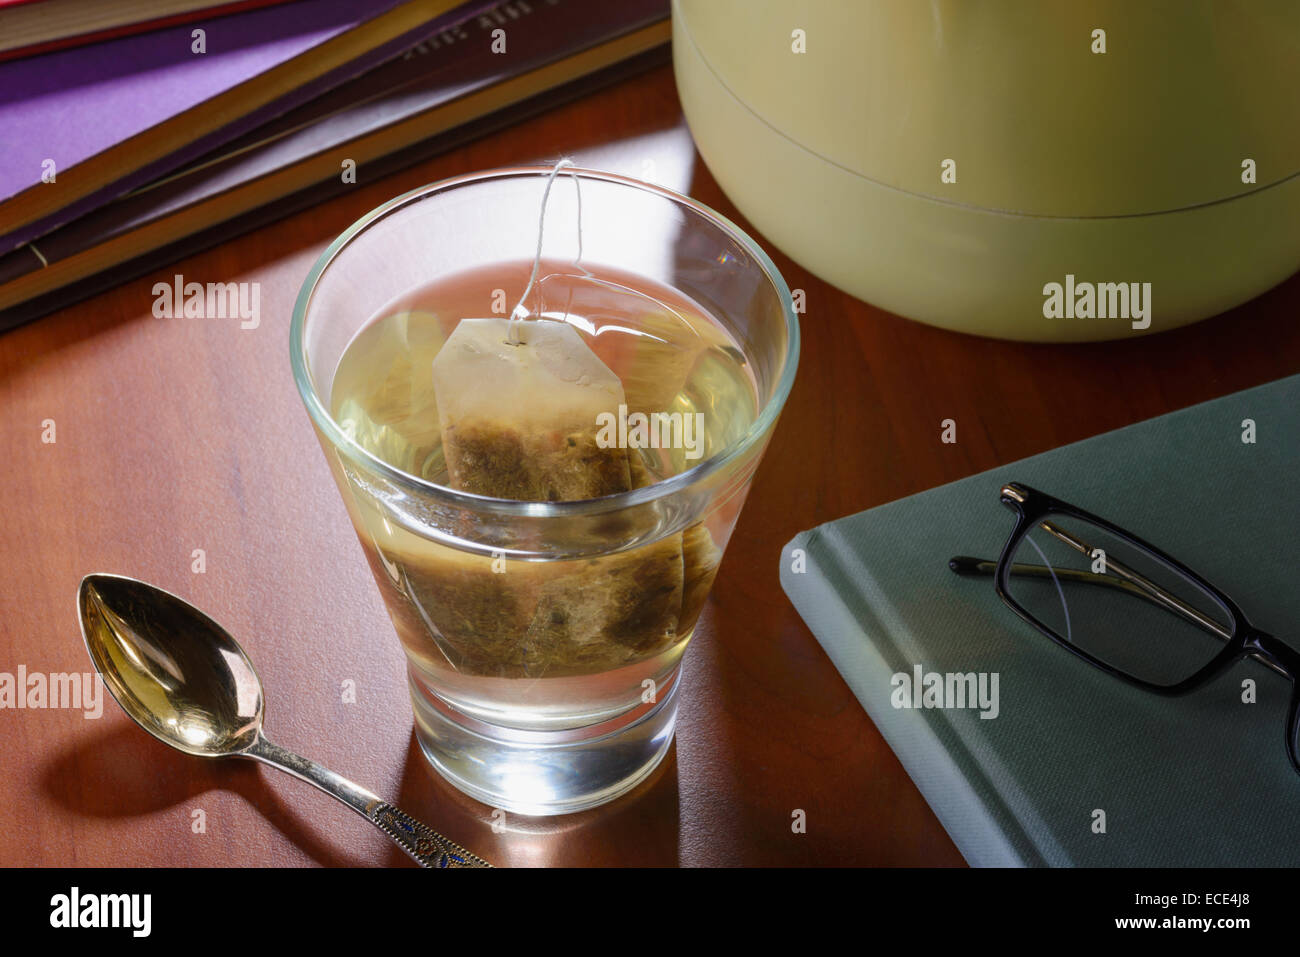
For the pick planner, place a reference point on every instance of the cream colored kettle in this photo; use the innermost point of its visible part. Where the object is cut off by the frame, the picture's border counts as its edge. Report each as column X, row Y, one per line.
column 1046, row 171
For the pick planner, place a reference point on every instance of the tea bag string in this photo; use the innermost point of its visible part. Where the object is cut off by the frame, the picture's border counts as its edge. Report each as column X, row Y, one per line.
column 518, row 314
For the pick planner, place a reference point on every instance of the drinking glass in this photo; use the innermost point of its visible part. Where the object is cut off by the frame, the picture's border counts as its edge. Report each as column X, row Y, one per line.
column 539, row 740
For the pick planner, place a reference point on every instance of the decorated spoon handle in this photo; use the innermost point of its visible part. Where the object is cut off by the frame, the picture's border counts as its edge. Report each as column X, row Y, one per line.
column 423, row 843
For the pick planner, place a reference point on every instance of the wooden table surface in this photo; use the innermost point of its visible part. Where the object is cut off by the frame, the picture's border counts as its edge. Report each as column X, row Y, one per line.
column 180, row 434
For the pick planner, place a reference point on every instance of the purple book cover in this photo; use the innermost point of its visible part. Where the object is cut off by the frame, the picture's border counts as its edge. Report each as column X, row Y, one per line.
column 70, row 105
column 449, row 65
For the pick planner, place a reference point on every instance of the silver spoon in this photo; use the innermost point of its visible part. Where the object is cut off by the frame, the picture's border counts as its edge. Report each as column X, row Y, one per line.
column 186, row 681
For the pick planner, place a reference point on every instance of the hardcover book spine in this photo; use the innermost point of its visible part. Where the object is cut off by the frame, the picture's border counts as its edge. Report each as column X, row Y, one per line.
column 962, row 795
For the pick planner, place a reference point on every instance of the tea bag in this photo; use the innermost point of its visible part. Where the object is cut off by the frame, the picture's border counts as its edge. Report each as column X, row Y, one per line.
column 700, row 557
column 654, row 364
column 543, row 619
column 522, row 422
column 521, row 404
column 521, row 419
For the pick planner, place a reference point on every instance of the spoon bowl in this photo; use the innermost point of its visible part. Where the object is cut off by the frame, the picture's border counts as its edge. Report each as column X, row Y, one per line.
column 185, row 680
column 175, row 671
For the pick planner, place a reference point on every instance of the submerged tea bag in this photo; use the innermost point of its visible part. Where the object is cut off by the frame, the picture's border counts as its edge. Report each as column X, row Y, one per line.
column 700, row 557
column 520, row 405
column 523, row 406
column 520, row 419
column 545, row 619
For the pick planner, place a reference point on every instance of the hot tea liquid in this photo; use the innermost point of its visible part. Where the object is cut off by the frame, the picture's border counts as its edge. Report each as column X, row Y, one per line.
column 521, row 636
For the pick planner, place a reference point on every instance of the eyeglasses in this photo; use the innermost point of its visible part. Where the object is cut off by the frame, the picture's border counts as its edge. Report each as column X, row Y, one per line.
column 1122, row 605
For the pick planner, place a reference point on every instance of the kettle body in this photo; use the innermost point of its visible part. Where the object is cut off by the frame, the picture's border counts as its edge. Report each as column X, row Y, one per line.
column 1035, row 171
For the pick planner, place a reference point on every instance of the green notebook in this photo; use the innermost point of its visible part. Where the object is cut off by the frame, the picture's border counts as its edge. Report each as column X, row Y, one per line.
column 1197, row 780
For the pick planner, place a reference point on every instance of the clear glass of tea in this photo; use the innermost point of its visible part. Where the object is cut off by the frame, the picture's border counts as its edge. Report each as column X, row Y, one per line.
column 544, row 639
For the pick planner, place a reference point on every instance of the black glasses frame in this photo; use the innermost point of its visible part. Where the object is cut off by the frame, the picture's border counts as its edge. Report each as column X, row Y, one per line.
column 1033, row 507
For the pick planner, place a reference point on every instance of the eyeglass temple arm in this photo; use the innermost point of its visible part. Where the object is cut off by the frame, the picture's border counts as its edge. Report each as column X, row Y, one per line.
column 1130, row 581
column 966, row 565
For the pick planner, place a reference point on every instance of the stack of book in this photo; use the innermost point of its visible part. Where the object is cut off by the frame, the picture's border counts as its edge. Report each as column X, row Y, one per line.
column 136, row 132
